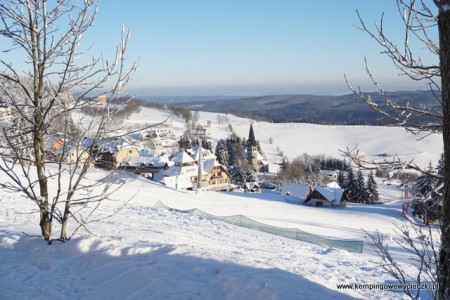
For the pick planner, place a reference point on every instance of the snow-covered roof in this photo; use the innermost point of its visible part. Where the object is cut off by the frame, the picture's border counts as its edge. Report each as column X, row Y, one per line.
column 136, row 136
column 152, row 161
column 113, row 144
column 299, row 190
column 207, row 166
column 178, row 170
column 87, row 142
column 190, row 170
column 206, row 153
column 181, row 158
column 333, row 185
column 251, row 185
column 331, row 194
column 146, row 152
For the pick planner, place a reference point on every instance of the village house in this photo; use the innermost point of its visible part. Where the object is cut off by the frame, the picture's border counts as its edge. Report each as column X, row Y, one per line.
column 329, row 196
column 75, row 155
column 179, row 175
column 184, row 173
column 146, row 166
column 53, row 143
column 252, row 187
column 111, row 152
column 157, row 132
column 216, row 176
column 57, row 149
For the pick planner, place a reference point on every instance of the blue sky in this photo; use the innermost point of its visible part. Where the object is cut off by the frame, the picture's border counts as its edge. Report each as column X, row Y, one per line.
column 248, row 46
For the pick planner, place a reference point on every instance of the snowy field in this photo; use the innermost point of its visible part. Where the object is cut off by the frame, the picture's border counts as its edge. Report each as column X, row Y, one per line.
column 146, row 253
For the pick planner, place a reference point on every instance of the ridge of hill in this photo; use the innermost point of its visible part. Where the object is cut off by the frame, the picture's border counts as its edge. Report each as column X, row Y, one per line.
column 329, row 110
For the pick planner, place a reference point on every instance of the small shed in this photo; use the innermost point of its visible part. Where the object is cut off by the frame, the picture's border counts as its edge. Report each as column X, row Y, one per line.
column 252, row 187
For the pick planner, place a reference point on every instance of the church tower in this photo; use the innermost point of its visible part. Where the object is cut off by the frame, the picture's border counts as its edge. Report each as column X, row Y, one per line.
column 252, row 150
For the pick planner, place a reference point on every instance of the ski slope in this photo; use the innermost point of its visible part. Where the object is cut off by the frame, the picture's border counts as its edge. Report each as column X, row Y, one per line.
column 147, row 253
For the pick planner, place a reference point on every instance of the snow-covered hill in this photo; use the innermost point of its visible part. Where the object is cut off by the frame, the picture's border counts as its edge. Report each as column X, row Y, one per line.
column 147, row 253
column 294, row 139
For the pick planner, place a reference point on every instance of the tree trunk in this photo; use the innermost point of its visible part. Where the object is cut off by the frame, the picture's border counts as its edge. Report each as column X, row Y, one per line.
column 44, row 209
column 444, row 56
column 65, row 221
column 45, row 224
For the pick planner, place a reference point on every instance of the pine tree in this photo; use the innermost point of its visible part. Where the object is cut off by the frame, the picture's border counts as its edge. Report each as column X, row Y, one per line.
column 222, row 153
column 372, row 188
column 206, row 144
column 284, row 164
column 360, row 188
column 350, row 185
column 184, row 143
column 425, row 182
column 341, row 178
column 428, row 199
column 440, row 166
column 230, row 143
column 250, row 176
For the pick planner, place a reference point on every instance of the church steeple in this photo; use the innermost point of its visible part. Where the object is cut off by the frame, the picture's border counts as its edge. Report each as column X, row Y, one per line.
column 252, row 150
column 251, row 137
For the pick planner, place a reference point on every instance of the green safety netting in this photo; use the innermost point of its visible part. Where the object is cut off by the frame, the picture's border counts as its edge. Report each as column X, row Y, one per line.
column 292, row 233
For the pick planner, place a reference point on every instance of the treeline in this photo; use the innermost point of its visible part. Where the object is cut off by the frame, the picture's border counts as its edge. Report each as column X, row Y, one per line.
column 290, row 115
column 358, row 189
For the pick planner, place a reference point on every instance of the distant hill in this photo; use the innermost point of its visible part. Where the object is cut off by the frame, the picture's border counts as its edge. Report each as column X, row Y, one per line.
column 338, row 110
column 186, row 99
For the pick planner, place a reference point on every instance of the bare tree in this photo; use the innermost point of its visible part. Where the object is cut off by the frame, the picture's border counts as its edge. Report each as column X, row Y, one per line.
column 46, row 100
column 420, row 244
column 421, row 19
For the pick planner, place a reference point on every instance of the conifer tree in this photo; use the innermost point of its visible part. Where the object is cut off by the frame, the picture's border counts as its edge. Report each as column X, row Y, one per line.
column 341, row 178
column 440, row 166
column 222, row 153
column 360, row 188
column 424, row 184
column 372, row 188
column 184, row 143
column 350, row 185
column 231, row 151
column 428, row 198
